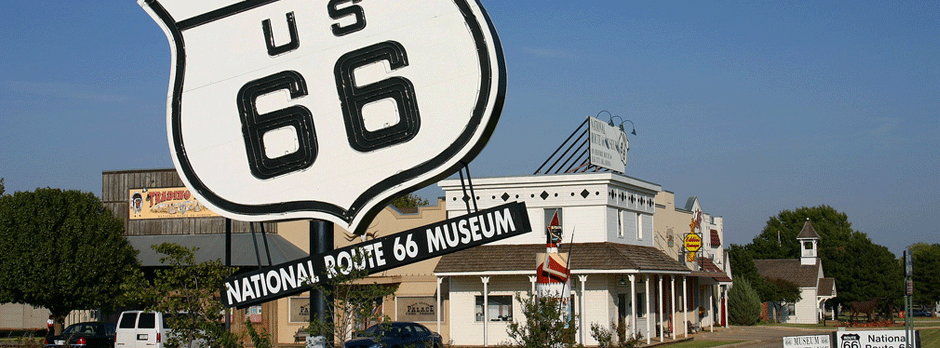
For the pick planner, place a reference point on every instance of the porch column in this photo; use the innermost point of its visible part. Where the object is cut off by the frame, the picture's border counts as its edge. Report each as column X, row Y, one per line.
column 438, row 308
column 724, row 306
column 662, row 332
column 672, row 299
column 649, row 315
column 632, row 313
column 532, row 281
column 583, row 279
column 486, row 309
column 711, row 306
column 685, row 306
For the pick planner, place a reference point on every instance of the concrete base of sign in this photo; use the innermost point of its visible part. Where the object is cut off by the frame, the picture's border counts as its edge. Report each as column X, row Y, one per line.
column 316, row 342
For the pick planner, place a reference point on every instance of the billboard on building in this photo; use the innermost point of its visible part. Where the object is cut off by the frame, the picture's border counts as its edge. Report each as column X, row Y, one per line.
column 608, row 145
column 165, row 203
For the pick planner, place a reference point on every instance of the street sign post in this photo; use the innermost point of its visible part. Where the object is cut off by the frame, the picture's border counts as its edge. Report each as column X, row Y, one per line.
column 290, row 109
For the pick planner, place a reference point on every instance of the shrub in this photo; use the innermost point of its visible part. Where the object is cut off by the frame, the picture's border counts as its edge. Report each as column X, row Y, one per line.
column 743, row 303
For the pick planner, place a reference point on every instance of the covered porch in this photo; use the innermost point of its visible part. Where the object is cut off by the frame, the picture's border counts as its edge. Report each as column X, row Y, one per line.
column 639, row 288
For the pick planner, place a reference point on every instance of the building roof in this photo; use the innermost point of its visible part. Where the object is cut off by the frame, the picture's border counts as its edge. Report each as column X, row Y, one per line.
column 789, row 269
column 808, row 231
column 708, row 268
column 827, row 287
column 212, row 247
column 520, row 258
column 715, row 239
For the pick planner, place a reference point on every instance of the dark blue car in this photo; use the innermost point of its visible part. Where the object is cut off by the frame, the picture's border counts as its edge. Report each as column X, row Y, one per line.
column 396, row 335
column 87, row 335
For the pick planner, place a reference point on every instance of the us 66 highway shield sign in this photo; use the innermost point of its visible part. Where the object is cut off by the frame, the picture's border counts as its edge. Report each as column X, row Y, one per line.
column 282, row 109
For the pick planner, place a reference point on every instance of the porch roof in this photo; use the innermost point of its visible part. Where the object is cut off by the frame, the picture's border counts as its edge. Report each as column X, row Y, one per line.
column 602, row 257
column 710, row 269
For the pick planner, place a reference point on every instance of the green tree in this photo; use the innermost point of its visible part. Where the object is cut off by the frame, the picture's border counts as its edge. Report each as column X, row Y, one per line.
column 410, row 200
column 743, row 303
column 862, row 270
column 926, row 258
column 62, row 251
column 2, row 188
column 780, row 291
column 742, row 267
column 356, row 303
column 191, row 288
column 546, row 323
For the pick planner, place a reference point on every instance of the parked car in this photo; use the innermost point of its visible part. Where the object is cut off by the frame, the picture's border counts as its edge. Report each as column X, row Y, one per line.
column 396, row 335
column 139, row 329
column 89, row 335
column 920, row 313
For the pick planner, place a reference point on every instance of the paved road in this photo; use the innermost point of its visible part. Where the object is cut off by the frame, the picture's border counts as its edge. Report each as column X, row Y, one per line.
column 755, row 336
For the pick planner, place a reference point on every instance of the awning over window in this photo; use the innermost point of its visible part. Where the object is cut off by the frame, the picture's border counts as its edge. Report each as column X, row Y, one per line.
column 212, row 247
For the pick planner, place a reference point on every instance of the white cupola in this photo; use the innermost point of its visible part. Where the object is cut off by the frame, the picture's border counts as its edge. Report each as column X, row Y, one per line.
column 809, row 244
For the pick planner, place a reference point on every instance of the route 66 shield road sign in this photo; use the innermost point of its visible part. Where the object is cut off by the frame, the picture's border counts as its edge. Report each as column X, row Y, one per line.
column 288, row 109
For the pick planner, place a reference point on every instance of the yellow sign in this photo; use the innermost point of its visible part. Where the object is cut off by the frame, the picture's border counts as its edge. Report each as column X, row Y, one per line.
column 165, row 203
column 692, row 242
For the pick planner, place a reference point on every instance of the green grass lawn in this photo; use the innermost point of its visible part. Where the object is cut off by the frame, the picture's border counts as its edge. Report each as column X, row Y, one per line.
column 930, row 338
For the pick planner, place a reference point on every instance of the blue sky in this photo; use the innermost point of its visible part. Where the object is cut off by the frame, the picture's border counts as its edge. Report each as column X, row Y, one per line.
column 753, row 106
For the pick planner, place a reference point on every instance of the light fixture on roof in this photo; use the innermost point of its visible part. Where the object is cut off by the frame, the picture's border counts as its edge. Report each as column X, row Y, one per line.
column 610, row 121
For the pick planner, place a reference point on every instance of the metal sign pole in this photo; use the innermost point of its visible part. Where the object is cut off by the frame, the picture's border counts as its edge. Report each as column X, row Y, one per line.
column 321, row 241
column 908, row 301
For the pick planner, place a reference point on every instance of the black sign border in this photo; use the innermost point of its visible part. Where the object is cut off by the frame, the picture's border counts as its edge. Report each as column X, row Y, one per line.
column 476, row 28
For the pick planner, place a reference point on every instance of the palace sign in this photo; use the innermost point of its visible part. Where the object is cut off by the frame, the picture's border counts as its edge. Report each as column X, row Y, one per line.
column 377, row 255
column 286, row 109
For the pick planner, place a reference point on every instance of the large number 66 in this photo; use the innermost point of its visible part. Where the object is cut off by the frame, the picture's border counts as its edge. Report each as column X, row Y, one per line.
column 352, row 99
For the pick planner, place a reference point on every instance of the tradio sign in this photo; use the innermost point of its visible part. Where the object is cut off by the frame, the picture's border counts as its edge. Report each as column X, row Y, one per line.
column 377, row 255
column 283, row 109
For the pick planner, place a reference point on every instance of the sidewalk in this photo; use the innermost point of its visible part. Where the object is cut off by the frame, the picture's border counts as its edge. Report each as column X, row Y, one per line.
column 740, row 336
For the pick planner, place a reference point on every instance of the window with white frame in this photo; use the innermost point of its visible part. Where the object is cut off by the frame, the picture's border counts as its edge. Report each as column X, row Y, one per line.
column 499, row 308
column 640, row 305
column 620, row 222
column 639, row 226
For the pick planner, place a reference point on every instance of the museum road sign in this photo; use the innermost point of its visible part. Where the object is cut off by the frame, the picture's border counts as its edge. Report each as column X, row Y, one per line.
column 285, row 109
column 377, row 255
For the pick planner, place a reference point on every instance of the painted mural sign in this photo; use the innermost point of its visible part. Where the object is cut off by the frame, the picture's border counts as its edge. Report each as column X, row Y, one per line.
column 290, row 109
column 165, row 203
column 377, row 255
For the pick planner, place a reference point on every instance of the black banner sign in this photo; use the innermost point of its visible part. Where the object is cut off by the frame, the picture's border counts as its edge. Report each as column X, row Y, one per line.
column 377, row 255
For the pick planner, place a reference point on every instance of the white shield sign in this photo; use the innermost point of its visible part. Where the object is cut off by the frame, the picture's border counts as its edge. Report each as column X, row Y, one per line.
column 286, row 109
